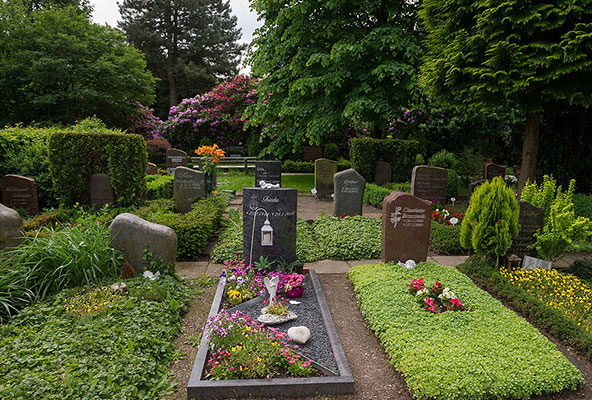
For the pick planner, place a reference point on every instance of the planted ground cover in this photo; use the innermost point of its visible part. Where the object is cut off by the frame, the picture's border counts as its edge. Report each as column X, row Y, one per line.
column 484, row 352
column 233, row 181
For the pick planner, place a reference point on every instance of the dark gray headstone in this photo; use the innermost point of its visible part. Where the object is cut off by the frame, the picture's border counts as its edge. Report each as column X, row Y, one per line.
column 491, row 170
column 405, row 227
column 151, row 169
column 324, row 171
column 530, row 220
column 429, row 183
column 268, row 171
column 280, row 205
column 349, row 193
column 20, row 192
column 101, row 191
column 475, row 185
column 11, row 228
column 311, row 153
column 235, row 151
column 175, row 158
column 188, row 184
column 130, row 234
column 383, row 173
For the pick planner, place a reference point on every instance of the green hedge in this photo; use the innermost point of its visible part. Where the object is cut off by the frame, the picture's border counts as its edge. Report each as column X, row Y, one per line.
column 74, row 157
column 308, row 167
column 348, row 238
column 193, row 229
column 582, row 205
column 485, row 352
column 159, row 186
column 453, row 185
column 445, row 239
column 399, row 153
column 582, row 269
column 374, row 194
column 547, row 318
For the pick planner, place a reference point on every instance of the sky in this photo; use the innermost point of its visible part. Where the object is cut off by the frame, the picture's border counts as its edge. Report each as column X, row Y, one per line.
column 107, row 11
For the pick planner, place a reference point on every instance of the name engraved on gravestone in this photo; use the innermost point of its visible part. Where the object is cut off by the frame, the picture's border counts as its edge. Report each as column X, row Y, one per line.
column 188, row 185
column 279, row 206
column 383, row 173
column 349, row 193
column 311, row 153
column 324, row 171
column 101, row 191
column 175, row 158
column 491, row 170
column 429, row 183
column 531, row 221
column 532, row 263
column 405, row 227
column 20, row 192
column 268, row 171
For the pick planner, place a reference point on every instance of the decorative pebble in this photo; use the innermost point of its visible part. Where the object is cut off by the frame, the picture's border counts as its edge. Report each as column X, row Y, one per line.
column 299, row 334
column 272, row 319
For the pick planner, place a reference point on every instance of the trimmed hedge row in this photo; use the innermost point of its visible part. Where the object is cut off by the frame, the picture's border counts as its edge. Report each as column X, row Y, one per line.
column 348, row 238
column 308, row 167
column 482, row 353
column 445, row 239
column 547, row 318
column 374, row 194
column 193, row 229
column 74, row 157
column 399, row 153
column 159, row 186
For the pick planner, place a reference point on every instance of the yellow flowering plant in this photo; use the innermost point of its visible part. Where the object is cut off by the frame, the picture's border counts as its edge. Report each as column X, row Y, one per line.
column 91, row 301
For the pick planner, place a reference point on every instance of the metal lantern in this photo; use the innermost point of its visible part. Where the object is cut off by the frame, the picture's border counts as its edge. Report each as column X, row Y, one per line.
column 266, row 234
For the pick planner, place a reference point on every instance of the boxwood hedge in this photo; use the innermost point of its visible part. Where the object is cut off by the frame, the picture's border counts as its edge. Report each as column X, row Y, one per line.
column 482, row 353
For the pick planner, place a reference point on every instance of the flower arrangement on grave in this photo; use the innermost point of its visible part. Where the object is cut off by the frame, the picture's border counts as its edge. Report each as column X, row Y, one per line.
column 446, row 217
column 293, row 285
column 243, row 349
column 279, row 307
column 243, row 282
column 212, row 155
column 435, row 299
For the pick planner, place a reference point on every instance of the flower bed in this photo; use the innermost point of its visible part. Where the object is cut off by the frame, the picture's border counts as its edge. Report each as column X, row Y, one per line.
column 484, row 352
column 342, row 383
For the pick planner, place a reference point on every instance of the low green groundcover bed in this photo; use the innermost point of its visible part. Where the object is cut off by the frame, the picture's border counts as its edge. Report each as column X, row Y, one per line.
column 484, row 352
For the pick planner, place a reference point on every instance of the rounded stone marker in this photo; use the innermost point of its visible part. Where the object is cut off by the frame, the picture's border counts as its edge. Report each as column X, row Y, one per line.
column 299, row 334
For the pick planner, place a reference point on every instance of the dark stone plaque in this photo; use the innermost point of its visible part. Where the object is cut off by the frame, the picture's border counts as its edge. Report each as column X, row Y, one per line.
column 101, row 191
column 311, row 153
column 279, row 207
column 383, row 173
column 151, row 169
column 530, row 220
column 405, row 227
column 349, row 193
column 268, row 171
column 175, row 158
column 235, row 151
column 188, row 184
column 491, row 170
column 429, row 183
column 20, row 192
column 324, row 171
column 475, row 185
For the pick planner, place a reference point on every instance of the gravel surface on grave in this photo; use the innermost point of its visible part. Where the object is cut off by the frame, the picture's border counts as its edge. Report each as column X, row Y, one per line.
column 318, row 347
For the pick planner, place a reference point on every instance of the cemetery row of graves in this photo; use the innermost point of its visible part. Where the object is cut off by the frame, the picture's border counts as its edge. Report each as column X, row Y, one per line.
column 90, row 302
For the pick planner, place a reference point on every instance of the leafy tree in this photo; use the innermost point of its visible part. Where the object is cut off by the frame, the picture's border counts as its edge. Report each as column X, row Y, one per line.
column 483, row 53
column 331, row 64
column 56, row 66
column 83, row 6
column 188, row 43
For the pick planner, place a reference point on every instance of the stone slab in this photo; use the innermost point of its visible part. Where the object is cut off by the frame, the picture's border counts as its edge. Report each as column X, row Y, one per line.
column 491, row 170
column 188, row 185
column 348, row 191
column 269, row 172
column 383, row 173
column 152, row 169
column 429, row 183
column 175, row 158
column 20, row 192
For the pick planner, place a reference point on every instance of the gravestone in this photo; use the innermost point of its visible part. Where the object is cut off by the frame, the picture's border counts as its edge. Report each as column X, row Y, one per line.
column 268, row 171
column 324, row 171
column 383, row 173
column 349, row 193
column 530, row 220
column 429, row 183
column 151, row 169
column 405, row 227
column 235, row 151
column 474, row 185
column 311, row 153
column 280, row 205
column 11, row 228
column 491, row 170
column 175, row 158
column 188, row 184
column 20, row 192
column 101, row 191
column 532, row 263
column 130, row 234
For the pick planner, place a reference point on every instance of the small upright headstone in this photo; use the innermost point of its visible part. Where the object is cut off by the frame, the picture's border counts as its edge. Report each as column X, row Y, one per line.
column 324, row 171
column 311, row 153
column 429, row 183
column 235, row 151
column 101, row 191
column 11, row 228
column 349, row 193
column 278, row 206
column 383, row 173
column 188, row 184
column 474, row 185
column 20, row 192
column 405, row 228
column 491, row 170
column 151, row 169
column 175, row 158
column 530, row 221
column 269, row 172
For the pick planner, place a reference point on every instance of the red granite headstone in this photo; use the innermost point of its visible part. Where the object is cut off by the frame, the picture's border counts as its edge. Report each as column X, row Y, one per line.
column 20, row 192
column 491, row 170
column 151, row 169
column 405, row 227
column 429, row 183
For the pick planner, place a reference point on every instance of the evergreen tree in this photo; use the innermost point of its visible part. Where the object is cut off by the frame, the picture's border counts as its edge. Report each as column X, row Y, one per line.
column 188, row 44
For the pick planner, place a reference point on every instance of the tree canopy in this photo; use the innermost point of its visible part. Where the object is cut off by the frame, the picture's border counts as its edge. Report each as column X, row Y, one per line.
column 537, row 54
column 188, row 44
column 330, row 64
column 56, row 66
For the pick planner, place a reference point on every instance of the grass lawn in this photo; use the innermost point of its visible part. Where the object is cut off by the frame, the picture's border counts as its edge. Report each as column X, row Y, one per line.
column 238, row 181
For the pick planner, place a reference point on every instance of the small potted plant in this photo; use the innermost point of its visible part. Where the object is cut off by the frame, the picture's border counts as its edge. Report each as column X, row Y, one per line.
column 294, row 285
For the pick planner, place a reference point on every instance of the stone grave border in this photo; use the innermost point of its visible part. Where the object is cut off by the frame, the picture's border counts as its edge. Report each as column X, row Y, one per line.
column 295, row 387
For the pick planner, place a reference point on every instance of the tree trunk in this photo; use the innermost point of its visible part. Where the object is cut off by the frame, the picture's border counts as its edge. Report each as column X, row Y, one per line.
column 172, row 87
column 530, row 146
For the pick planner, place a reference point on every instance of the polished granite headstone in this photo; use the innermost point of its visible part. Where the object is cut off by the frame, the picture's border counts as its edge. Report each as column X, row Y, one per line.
column 268, row 171
column 20, row 192
column 530, row 221
column 349, row 193
column 175, row 158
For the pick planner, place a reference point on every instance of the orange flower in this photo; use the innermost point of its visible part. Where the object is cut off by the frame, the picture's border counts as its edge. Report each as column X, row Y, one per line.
column 213, row 151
